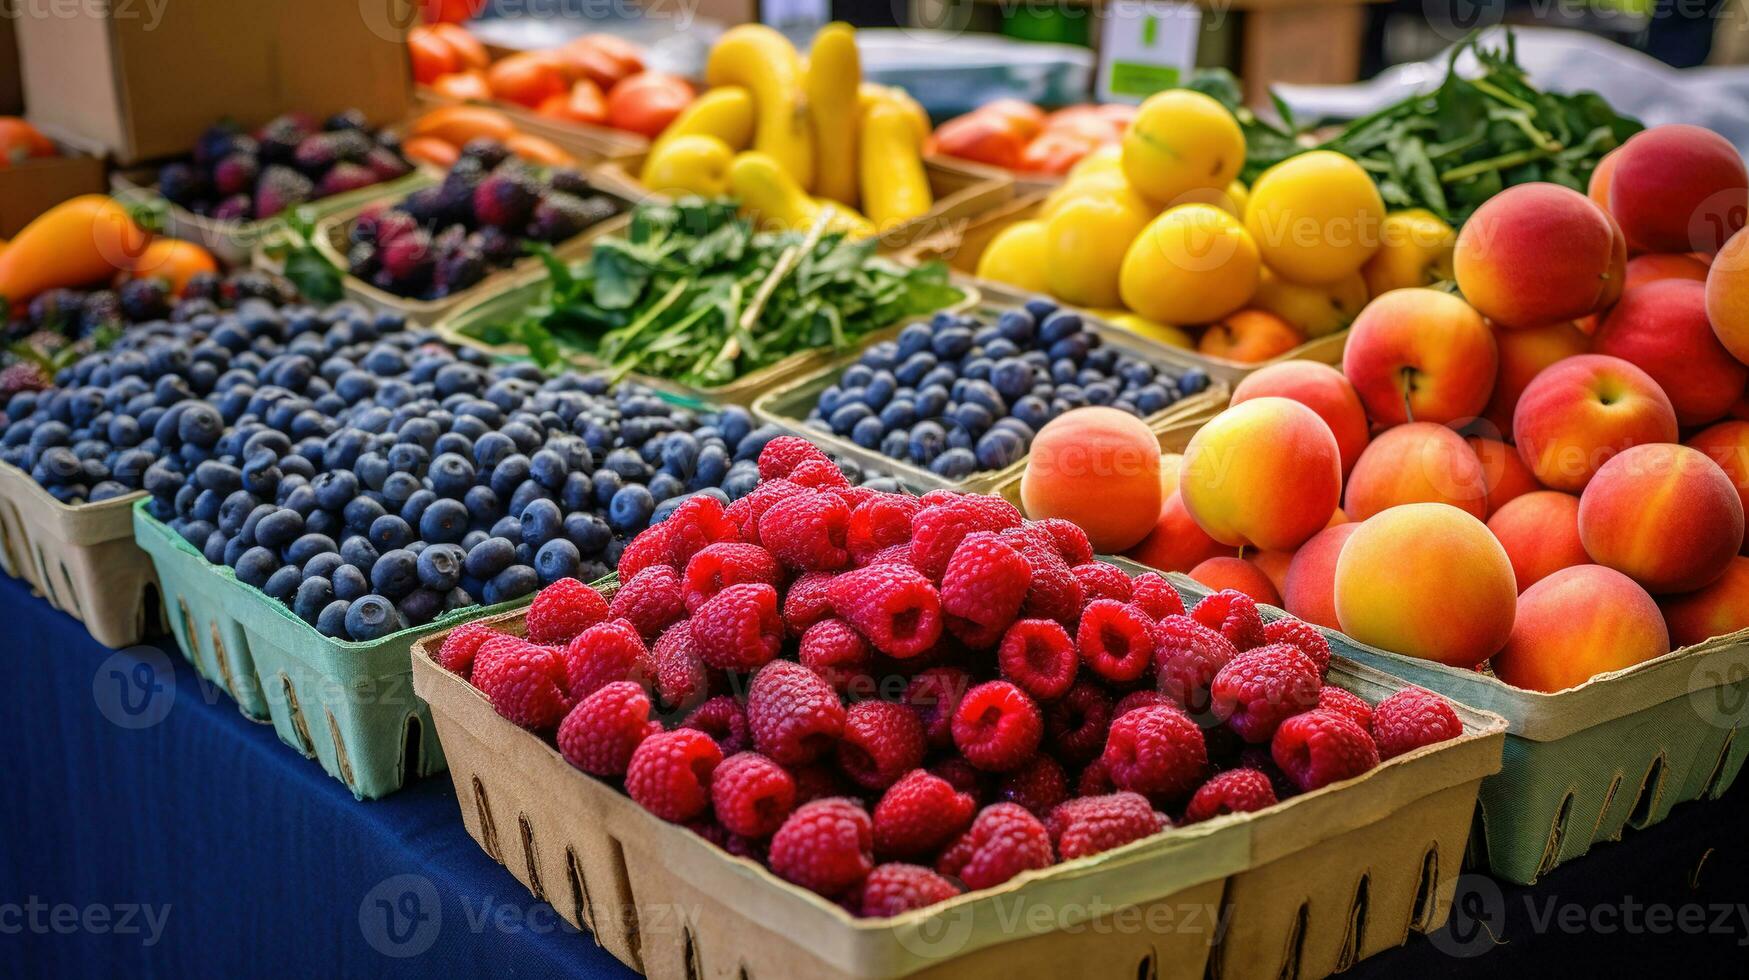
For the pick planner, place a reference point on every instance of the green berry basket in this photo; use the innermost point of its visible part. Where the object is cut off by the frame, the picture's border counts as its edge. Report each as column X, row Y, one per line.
column 350, row 706
column 80, row 557
column 1306, row 888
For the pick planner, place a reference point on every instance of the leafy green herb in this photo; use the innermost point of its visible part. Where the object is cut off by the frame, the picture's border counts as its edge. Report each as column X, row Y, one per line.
column 307, row 268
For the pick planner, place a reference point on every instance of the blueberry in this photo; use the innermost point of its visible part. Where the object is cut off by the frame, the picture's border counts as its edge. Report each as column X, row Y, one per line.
column 444, row 521
column 389, row 532
column 324, row 565
column 372, row 618
column 440, row 567
column 279, row 528
column 998, row 448
column 914, row 338
column 399, row 488
column 395, row 573
column 349, row 583
column 588, row 532
column 361, row 512
column 954, row 464
column 557, row 559
column 931, row 402
column 483, row 505
column 421, row 606
column 928, row 439
column 1017, row 325
column 629, row 510
column 1072, row 348
column 334, row 489
column 358, row 552
column 542, row 521
column 1012, row 378
column 221, row 478
column 489, row 557
column 847, row 416
column 951, row 343
column 331, row 621
column 1100, row 393
column 512, row 583
column 509, row 474
column 312, row 597
column 200, row 424
column 972, row 417
column 1192, row 381
column 413, row 510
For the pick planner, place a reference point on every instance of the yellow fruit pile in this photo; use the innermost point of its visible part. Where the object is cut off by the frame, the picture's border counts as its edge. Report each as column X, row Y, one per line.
column 789, row 137
column 1160, row 237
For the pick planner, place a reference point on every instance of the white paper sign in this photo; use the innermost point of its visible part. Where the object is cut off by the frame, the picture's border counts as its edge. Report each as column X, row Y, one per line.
column 1146, row 46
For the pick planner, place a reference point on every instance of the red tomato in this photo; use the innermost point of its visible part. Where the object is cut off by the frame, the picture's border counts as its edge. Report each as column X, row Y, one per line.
column 583, row 104
column 1028, row 117
column 647, row 102
column 1054, row 153
column 602, row 58
column 432, row 58
column 983, row 138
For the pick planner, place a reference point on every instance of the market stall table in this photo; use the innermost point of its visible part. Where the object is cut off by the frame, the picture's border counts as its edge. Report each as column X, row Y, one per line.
column 153, row 829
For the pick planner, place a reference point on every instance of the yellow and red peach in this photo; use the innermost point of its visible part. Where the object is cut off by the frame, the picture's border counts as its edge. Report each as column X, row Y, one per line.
column 1678, row 188
column 1320, row 388
column 1727, row 296
column 1417, row 463
column 1664, row 515
column 1176, row 544
column 1579, row 413
column 1720, row 609
column 1266, row 473
column 1420, row 355
column 1654, row 266
column 1503, row 471
column 1540, row 532
column 1576, row 624
column 1539, row 253
column 1429, row 581
column 1727, row 444
column 1249, row 337
column 1239, row 575
column 1309, row 588
column 1662, row 328
column 1274, row 566
column 1100, row 468
column 1524, row 354
column 1598, row 187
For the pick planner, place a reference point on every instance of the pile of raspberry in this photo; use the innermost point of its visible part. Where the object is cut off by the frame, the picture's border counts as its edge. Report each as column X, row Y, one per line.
column 891, row 700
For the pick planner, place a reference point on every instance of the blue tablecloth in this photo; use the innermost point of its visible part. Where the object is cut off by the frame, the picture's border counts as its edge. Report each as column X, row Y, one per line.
column 151, row 830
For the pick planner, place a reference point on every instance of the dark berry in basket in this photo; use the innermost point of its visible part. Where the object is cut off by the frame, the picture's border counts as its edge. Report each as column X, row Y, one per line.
column 506, row 198
column 281, row 188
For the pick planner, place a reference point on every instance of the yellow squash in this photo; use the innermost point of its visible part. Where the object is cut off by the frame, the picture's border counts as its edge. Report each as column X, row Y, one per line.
column 894, row 186
column 834, row 75
column 763, row 61
column 772, row 198
column 725, row 113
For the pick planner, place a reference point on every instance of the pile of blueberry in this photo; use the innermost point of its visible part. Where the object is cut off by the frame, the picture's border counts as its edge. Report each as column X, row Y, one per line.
column 369, row 476
column 958, row 396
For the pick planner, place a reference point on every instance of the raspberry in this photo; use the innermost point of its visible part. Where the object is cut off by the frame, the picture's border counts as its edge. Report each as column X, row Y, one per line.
column 1259, row 689
column 562, row 610
column 751, row 794
column 1093, row 824
column 525, row 682
column 1095, row 780
column 964, row 778
column 1350, row 705
column 826, row 846
column 1234, row 615
column 604, row 653
column 739, row 628
column 818, row 780
column 881, row 742
column 1187, row 656
column 1233, row 791
column 894, row 888
column 747, row 511
column 1321, row 747
column 735, row 844
column 1076, row 723
column 807, row 601
column 1039, row 785
column 819, row 474
column 670, row 773
column 934, row 694
column 784, row 453
column 896, row 608
column 1070, row 540
column 795, row 716
column 1155, row 750
column 681, row 675
column 1143, row 698
column 1038, row 656
column 648, row 548
column 878, row 523
column 1116, row 641
column 696, row 524
column 854, row 496
column 996, row 726
column 807, row 531
column 938, row 529
column 1302, row 636
column 983, row 587
column 724, row 720
column 1155, row 596
column 601, row 732
column 1004, row 840
column 1101, row 581
column 651, row 601
column 1411, row 718
column 459, row 647
column 838, row 653
column 919, row 814
column 1055, row 592
column 727, row 563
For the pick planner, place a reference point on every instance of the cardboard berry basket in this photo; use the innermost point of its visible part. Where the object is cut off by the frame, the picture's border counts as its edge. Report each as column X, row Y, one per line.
column 81, row 557
column 1026, row 183
column 1306, row 888
column 467, row 326
column 961, row 196
column 349, row 706
column 788, row 404
column 962, row 248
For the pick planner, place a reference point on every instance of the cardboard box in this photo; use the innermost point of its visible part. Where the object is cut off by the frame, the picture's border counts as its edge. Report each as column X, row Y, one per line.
column 31, row 187
column 144, row 79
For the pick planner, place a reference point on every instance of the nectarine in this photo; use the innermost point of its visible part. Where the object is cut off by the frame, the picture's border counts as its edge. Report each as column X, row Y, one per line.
column 1416, row 463
column 1579, row 413
column 1720, row 609
column 1678, row 188
column 1539, row 253
column 1727, row 444
column 1239, row 575
column 1523, row 355
column 1266, row 473
column 1420, row 355
column 1662, row 328
column 1309, row 588
column 1503, row 471
column 1664, row 515
column 1540, row 532
column 1100, row 468
column 1576, row 624
column 1320, row 388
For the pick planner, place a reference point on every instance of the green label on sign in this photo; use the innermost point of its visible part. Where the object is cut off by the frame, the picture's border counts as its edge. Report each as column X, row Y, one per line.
column 1139, row 80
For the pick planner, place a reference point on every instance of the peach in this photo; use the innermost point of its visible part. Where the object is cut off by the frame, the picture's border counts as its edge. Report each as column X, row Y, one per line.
column 1540, row 532
column 1429, row 581
column 1664, row 515
column 1274, row 566
column 1239, row 575
column 1577, row 414
column 1176, row 544
column 1503, row 471
column 1678, row 188
column 1727, row 296
column 1309, row 588
column 1662, row 328
column 1320, row 388
column 1720, row 609
column 1539, row 253
column 1100, row 468
column 1654, row 266
column 1727, row 444
column 1420, row 355
column 1249, row 337
column 1417, row 463
column 1265, row 473
column 1523, row 355
column 1598, row 187
column 1576, row 624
